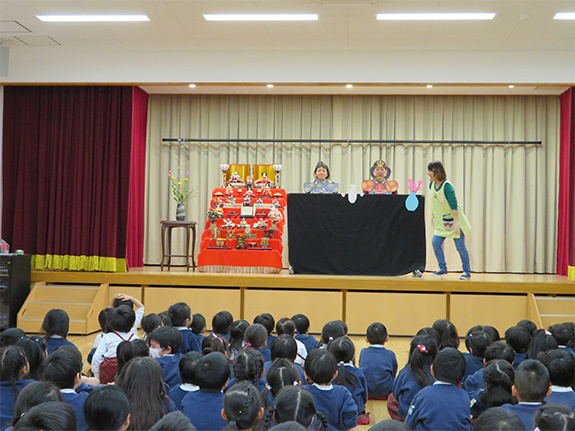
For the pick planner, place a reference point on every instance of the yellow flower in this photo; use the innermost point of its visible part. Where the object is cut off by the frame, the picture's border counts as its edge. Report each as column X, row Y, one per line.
column 179, row 183
column 173, row 178
column 185, row 179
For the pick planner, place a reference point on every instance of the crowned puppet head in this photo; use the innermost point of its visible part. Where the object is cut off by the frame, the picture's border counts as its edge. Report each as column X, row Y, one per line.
column 380, row 165
column 319, row 165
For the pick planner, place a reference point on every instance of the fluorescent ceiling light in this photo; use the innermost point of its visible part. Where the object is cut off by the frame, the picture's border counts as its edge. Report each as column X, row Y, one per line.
column 262, row 17
column 564, row 15
column 434, row 16
column 92, row 18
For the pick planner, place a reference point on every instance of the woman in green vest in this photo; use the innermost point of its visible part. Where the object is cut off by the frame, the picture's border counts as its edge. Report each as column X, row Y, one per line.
column 448, row 219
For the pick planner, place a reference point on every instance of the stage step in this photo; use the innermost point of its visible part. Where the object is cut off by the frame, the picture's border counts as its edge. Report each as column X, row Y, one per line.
column 554, row 310
column 82, row 303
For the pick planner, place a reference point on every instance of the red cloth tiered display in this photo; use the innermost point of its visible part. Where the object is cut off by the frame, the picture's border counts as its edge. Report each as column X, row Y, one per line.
column 225, row 246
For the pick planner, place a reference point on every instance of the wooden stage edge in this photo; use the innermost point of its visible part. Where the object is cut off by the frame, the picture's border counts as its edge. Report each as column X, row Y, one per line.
column 546, row 284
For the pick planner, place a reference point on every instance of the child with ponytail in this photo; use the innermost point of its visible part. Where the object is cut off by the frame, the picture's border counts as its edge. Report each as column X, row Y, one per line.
column 243, row 408
column 280, row 374
column 13, row 366
column 295, row 404
column 498, row 377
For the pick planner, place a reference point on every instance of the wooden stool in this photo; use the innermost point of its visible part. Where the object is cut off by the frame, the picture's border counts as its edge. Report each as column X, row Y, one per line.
column 168, row 225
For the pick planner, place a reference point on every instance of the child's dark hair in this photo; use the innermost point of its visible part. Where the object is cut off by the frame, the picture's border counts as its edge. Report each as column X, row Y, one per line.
column 50, row 416
column 212, row 372
column 571, row 328
column 499, row 350
column 174, row 421
column 530, row 326
column 119, row 301
column 267, row 320
column 281, row 373
column 103, row 319
column 498, row 376
column 285, row 326
column 180, row 312
column 237, row 330
column 106, row 408
column 284, row 346
column 320, row 366
column 331, row 331
column 249, row 366
column 242, row 406
column 301, row 323
column 10, row 336
column 376, row 333
column 531, row 380
column 221, row 322
column 188, row 365
column 198, row 323
column 518, row 338
column 561, row 333
column 541, row 342
column 12, row 360
column 344, row 351
column 288, row 426
column 127, row 350
column 63, row 367
column 167, row 336
column 293, row 403
column 34, row 354
column 150, row 322
column 256, row 335
column 422, row 351
column 390, row 425
column 56, row 322
column 34, row 394
column 555, row 417
column 477, row 342
column 498, row 419
column 121, row 319
column 166, row 319
column 449, row 366
column 492, row 332
column 561, row 366
column 447, row 332
column 214, row 343
column 432, row 333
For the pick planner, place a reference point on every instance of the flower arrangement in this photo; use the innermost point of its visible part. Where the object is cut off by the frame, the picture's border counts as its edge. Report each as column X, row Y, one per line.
column 182, row 188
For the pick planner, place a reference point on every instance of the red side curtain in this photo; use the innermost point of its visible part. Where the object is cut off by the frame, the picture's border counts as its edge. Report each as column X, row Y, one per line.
column 66, row 169
column 566, row 208
column 135, row 234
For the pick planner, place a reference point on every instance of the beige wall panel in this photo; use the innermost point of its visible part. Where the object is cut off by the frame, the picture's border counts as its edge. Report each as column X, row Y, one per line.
column 401, row 313
column 319, row 307
column 205, row 301
column 500, row 311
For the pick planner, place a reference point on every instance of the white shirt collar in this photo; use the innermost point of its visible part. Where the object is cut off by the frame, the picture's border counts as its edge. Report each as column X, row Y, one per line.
column 68, row 391
column 437, row 382
column 376, row 345
column 561, row 388
column 188, row 387
column 323, row 387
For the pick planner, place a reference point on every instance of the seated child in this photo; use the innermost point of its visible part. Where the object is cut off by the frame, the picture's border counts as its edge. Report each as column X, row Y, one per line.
column 268, row 322
column 379, row 365
column 447, row 334
column 13, row 366
column 285, row 347
column 287, row 326
column 281, row 373
column 221, row 324
column 242, row 407
column 561, row 367
column 302, row 325
column 64, row 370
column 204, row 407
column 164, row 345
column 107, row 408
column 518, row 338
column 181, row 317
column 476, row 341
column 174, row 421
column 295, row 406
column 34, row 394
column 331, row 331
column 149, row 323
column 53, row 415
column 189, row 384
column 498, row 419
column 198, row 326
column 498, row 376
column 553, row 417
column 127, row 350
column 443, row 405
column 334, row 401
column 56, row 325
column 249, row 366
column 256, row 337
column 563, row 335
column 496, row 350
column 237, row 329
column 531, row 387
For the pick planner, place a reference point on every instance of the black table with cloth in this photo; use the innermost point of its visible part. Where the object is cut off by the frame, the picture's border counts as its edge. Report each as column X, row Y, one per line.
column 376, row 235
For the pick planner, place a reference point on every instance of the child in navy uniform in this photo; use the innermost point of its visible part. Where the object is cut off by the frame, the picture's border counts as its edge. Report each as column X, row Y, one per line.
column 268, row 322
column 189, row 384
column 518, row 338
column 204, row 407
column 221, row 324
column 181, row 317
column 498, row 375
column 198, row 326
column 496, row 350
column 334, row 401
column 164, row 344
column 531, row 386
column 563, row 335
column 379, row 365
column 256, row 337
column 302, row 325
column 443, row 405
column 56, row 325
column 561, row 367
column 13, row 366
column 107, row 408
column 476, row 341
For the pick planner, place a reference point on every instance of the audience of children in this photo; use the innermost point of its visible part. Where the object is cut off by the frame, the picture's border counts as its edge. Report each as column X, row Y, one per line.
column 476, row 341
column 518, row 339
column 164, row 346
column 498, row 377
column 561, row 367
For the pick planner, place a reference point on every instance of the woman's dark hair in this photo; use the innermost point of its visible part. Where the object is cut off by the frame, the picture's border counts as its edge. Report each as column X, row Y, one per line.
column 179, row 313
column 447, row 332
column 237, row 329
column 281, row 373
column 34, row 394
column 198, row 323
column 106, row 408
column 12, row 360
column 121, row 319
column 344, row 351
column 320, row 366
column 498, row 419
column 242, row 406
column 331, row 331
column 256, row 335
column 249, row 366
column 221, row 322
column 174, row 421
column 214, row 343
column 555, row 417
column 34, row 354
column 284, row 346
column 541, row 342
column 498, row 377
column 50, row 416
column 143, row 381
column 127, row 350
column 56, row 322
column 293, row 403
column 150, row 322
column 321, row 164
column 187, row 367
column 285, row 326
column 422, row 351
column 438, row 170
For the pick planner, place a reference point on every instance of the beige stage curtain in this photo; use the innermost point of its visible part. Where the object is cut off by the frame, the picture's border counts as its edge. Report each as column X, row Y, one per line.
column 508, row 192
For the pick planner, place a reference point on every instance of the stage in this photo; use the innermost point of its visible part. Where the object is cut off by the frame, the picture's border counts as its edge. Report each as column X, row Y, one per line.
column 404, row 304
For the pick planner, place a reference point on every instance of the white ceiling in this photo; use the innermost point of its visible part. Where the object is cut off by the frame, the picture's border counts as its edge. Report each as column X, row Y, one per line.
column 523, row 45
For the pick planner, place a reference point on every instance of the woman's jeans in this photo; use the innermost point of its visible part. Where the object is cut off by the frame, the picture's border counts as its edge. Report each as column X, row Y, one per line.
column 437, row 243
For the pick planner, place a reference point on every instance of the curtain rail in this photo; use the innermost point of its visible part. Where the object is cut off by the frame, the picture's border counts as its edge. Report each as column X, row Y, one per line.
column 350, row 141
